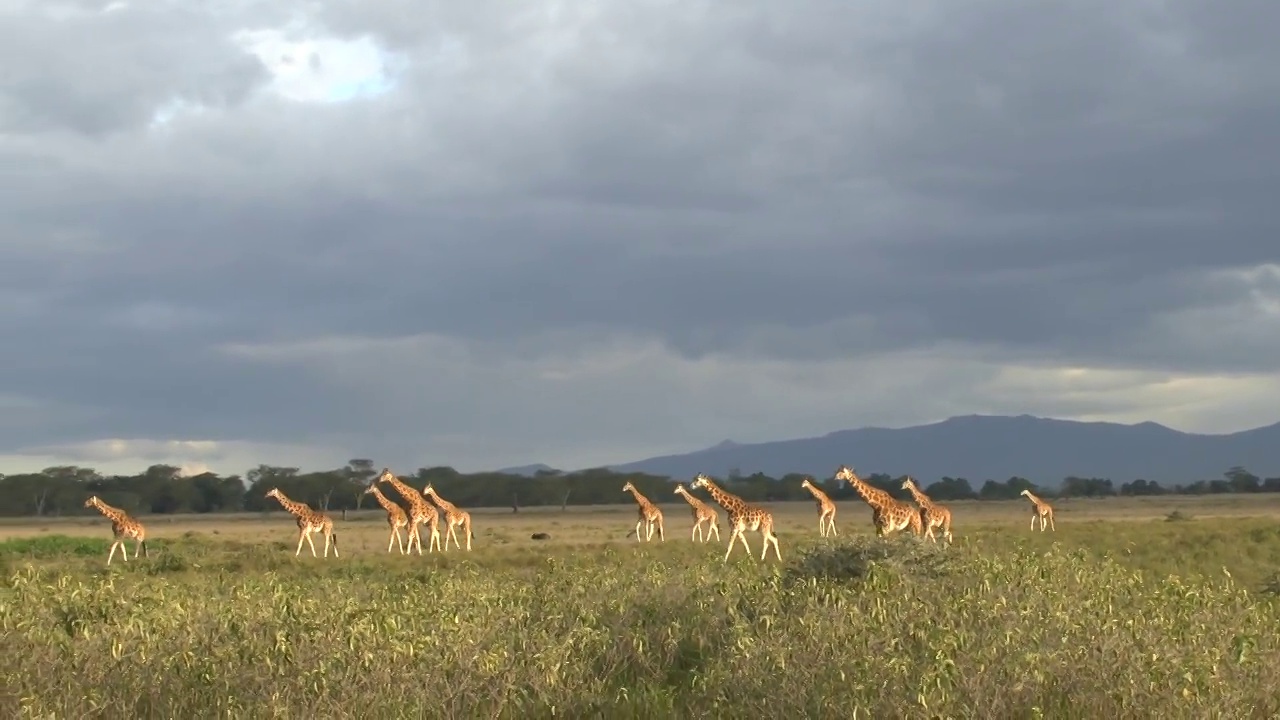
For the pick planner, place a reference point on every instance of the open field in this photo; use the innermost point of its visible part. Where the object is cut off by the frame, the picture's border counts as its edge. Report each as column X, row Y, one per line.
column 1122, row 612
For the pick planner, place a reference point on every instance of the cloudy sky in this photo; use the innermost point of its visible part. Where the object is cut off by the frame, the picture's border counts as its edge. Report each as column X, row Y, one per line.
column 490, row 233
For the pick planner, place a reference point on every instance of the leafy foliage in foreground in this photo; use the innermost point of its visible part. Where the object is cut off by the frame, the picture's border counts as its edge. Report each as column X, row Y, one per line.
column 857, row 627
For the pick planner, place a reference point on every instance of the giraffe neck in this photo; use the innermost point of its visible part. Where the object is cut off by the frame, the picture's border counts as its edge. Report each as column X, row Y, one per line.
column 1035, row 500
column 692, row 500
column 817, row 494
column 640, row 499
column 725, row 499
column 384, row 501
column 873, row 496
column 445, row 505
column 921, row 499
column 293, row 507
column 411, row 496
column 112, row 514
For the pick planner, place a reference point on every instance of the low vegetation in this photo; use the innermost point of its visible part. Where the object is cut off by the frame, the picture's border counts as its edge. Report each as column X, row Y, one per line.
column 1098, row 620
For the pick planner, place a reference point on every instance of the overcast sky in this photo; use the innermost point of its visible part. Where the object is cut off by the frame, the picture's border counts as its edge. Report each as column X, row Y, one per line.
column 484, row 234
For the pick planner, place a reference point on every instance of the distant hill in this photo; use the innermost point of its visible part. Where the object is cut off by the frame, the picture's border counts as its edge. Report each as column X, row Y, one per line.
column 983, row 447
column 527, row 470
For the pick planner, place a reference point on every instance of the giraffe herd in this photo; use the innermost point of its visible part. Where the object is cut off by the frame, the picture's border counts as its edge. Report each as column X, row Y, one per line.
column 888, row 515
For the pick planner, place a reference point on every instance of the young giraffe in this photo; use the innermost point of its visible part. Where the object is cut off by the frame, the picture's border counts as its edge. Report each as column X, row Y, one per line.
column 932, row 514
column 396, row 517
column 826, row 509
column 1040, row 510
column 420, row 511
column 453, row 516
column 649, row 513
column 742, row 516
column 122, row 527
column 702, row 512
column 887, row 512
column 309, row 521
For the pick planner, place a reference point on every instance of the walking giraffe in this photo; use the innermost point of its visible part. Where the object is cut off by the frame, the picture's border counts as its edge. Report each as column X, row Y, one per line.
column 1040, row 510
column 887, row 512
column 396, row 516
column 932, row 514
column 122, row 527
column 650, row 515
column 826, row 509
column 742, row 516
column 420, row 511
column 309, row 521
column 702, row 512
column 453, row 518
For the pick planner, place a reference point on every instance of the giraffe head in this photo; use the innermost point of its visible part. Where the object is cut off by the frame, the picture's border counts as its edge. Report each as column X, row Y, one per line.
column 429, row 489
column 680, row 489
column 846, row 474
column 275, row 493
column 373, row 488
column 386, row 475
column 701, row 481
column 808, row 483
column 1025, row 492
column 629, row 487
column 909, row 484
column 92, row 501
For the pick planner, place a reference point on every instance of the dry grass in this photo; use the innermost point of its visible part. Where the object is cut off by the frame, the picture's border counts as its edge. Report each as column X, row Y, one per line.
column 1103, row 618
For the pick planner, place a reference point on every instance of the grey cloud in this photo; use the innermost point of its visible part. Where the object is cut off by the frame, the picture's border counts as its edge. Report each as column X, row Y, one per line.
column 95, row 72
column 804, row 183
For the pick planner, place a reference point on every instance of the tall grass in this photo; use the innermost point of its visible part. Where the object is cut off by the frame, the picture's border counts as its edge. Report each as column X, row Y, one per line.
column 855, row 627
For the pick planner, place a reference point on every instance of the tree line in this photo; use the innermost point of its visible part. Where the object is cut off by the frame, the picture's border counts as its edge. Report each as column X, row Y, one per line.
column 162, row 489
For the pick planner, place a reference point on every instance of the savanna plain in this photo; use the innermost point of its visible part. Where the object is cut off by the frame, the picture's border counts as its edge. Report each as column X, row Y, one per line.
column 1135, row 607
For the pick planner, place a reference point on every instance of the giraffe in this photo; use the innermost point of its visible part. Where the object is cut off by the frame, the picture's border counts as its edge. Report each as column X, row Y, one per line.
column 742, row 516
column 309, row 521
column 932, row 514
column 122, row 527
column 649, row 513
column 1040, row 510
column 420, row 511
column 887, row 512
column 453, row 517
column 702, row 512
column 826, row 509
column 396, row 517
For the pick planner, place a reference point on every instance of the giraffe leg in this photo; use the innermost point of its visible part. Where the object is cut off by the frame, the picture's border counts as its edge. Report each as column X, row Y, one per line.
column 301, row 537
column 715, row 528
column 327, row 538
column 453, row 533
column 142, row 545
column 1033, row 522
column 733, row 539
column 768, row 538
column 662, row 537
column 435, row 540
column 638, row 524
column 311, row 543
column 124, row 552
column 693, row 535
column 395, row 535
column 466, row 529
column 112, row 553
column 832, row 525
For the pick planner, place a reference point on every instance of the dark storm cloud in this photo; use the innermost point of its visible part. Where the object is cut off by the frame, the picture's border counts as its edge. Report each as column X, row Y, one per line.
column 1046, row 182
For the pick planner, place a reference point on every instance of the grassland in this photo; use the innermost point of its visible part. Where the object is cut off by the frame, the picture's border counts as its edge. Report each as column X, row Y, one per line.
column 1123, row 612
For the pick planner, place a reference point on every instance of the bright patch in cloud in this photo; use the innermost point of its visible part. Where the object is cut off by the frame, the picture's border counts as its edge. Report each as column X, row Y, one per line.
column 320, row 69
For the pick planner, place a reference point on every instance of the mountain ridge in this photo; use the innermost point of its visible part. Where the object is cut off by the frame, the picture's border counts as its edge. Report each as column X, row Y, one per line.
column 992, row 447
